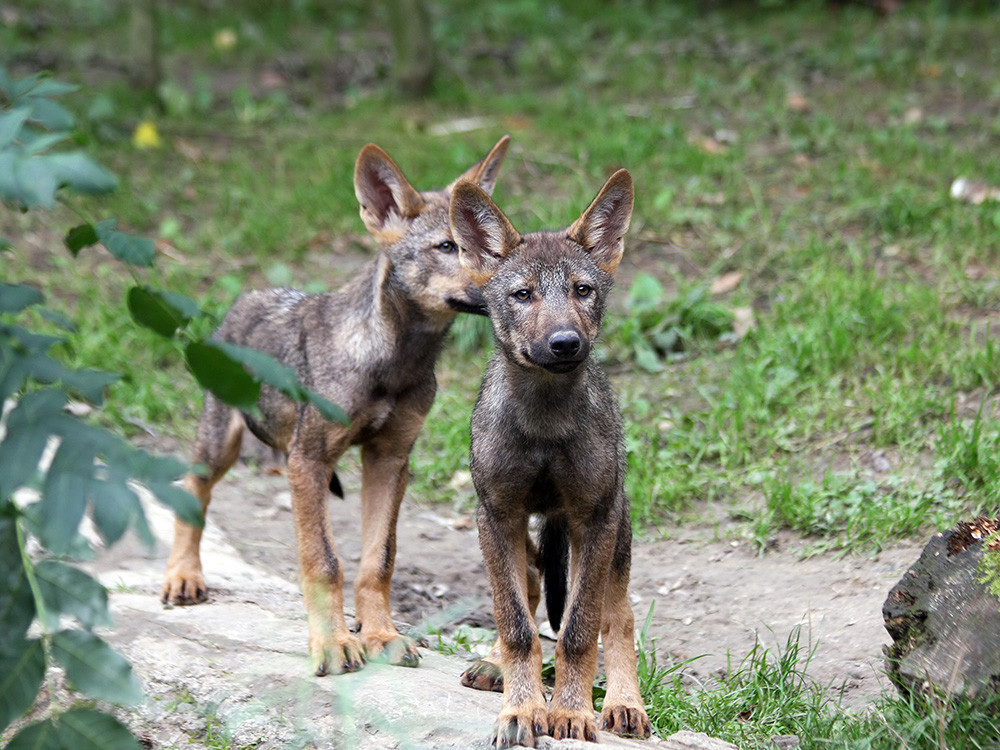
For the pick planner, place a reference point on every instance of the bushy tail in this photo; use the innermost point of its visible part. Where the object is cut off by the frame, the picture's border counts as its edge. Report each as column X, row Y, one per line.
column 553, row 560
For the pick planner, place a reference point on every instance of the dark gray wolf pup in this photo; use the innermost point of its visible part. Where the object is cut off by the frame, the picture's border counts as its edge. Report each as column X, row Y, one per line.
column 370, row 348
column 547, row 439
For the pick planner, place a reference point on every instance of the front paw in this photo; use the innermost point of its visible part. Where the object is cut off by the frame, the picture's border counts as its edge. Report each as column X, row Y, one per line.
column 391, row 648
column 626, row 720
column 520, row 726
column 483, row 675
column 336, row 654
column 574, row 725
column 183, row 586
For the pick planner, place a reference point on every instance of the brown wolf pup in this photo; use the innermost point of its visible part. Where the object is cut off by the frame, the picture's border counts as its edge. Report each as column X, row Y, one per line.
column 370, row 348
column 547, row 438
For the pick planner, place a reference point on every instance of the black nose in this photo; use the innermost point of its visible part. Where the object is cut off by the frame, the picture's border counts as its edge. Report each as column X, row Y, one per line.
column 564, row 343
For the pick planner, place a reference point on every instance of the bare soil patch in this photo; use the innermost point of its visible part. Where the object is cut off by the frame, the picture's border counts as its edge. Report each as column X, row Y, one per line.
column 714, row 598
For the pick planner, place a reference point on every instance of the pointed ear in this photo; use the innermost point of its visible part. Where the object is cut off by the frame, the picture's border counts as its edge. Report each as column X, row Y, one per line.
column 602, row 227
column 485, row 172
column 382, row 190
column 484, row 235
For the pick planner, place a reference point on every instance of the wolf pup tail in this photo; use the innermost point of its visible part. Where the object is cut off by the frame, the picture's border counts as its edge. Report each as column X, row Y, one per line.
column 553, row 559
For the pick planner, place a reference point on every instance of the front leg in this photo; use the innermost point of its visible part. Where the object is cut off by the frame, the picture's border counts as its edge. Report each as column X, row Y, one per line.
column 571, row 712
column 332, row 647
column 384, row 471
column 624, row 712
column 502, row 537
column 487, row 673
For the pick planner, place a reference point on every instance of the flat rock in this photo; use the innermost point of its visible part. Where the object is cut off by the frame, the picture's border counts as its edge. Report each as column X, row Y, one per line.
column 238, row 665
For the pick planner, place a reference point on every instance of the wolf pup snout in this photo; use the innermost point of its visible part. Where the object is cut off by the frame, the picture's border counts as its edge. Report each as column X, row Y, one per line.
column 547, row 439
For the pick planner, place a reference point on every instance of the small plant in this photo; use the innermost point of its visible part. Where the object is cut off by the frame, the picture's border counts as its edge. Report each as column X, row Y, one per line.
column 654, row 328
column 969, row 454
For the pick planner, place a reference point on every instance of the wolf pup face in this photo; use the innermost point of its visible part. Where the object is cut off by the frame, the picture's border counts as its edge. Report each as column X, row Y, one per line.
column 413, row 229
column 546, row 292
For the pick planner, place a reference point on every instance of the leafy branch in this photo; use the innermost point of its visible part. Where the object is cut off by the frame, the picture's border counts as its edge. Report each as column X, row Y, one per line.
column 56, row 468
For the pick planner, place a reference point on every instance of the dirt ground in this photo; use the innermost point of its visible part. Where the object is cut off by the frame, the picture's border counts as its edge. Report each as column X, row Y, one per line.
column 713, row 598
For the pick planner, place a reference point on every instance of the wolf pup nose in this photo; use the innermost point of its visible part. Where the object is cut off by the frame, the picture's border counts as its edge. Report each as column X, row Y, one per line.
column 547, row 439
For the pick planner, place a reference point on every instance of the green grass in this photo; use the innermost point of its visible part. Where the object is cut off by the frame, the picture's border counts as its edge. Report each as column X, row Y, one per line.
column 767, row 694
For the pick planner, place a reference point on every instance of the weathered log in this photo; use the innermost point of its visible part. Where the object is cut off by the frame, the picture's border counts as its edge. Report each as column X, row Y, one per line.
column 945, row 623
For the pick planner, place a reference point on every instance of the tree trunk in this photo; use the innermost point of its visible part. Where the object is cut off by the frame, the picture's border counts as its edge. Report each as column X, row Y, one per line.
column 413, row 46
column 145, row 73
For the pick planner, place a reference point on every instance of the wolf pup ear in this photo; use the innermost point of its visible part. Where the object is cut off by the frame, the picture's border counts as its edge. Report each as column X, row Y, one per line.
column 484, row 173
column 602, row 227
column 383, row 191
column 484, row 235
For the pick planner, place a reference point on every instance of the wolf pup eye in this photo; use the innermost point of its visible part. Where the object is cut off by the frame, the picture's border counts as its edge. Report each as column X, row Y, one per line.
column 582, row 290
column 447, row 246
column 522, row 294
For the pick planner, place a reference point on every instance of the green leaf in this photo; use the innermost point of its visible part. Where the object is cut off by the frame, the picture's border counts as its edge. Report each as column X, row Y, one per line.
column 41, row 735
column 155, row 311
column 50, row 115
column 185, row 306
column 17, row 605
column 114, row 508
column 46, row 86
column 137, row 251
column 88, row 384
column 646, row 358
column 219, row 373
column 59, row 320
column 35, row 143
column 22, row 669
column 86, row 729
column 95, row 668
column 283, row 378
column 29, row 426
column 645, row 293
column 184, row 504
column 10, row 125
column 34, row 183
column 16, row 297
column 64, row 495
column 81, row 173
column 9, row 189
column 69, row 591
column 80, row 237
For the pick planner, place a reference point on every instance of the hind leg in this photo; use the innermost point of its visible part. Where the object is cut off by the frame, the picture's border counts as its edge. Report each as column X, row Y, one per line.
column 216, row 449
column 485, row 673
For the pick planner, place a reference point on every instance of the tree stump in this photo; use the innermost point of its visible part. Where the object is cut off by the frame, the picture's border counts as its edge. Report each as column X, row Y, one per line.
column 944, row 623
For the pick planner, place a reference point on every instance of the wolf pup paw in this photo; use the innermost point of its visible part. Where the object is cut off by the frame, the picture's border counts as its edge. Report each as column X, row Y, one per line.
column 519, row 726
column 336, row 656
column 184, row 588
column 391, row 649
column 483, row 675
column 572, row 725
column 629, row 721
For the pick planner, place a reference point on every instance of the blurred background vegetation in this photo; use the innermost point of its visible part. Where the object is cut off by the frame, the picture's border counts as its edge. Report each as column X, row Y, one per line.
column 803, row 335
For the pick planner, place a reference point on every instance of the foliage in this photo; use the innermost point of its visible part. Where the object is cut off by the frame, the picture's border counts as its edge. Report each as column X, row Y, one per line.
column 656, row 326
column 55, row 468
column 31, row 123
column 90, row 472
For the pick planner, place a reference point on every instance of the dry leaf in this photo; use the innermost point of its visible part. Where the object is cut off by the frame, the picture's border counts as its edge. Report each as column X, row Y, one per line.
column 709, row 145
column 727, row 282
column 743, row 321
column 797, row 102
